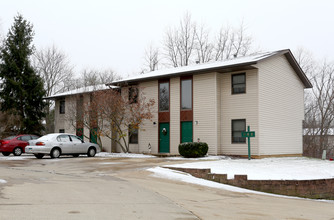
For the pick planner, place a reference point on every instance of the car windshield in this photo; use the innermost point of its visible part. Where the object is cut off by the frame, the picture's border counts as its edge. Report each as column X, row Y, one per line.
column 10, row 138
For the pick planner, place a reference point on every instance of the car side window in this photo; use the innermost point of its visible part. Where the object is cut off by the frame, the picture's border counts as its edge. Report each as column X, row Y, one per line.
column 75, row 139
column 33, row 137
column 24, row 138
column 63, row 138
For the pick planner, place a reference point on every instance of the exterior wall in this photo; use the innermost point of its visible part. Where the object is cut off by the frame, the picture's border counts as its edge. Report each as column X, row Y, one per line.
column 281, row 108
column 175, row 124
column 239, row 106
column 205, row 110
column 64, row 121
column 148, row 134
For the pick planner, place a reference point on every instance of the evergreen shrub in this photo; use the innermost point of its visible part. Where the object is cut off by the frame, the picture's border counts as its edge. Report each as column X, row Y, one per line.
column 193, row 149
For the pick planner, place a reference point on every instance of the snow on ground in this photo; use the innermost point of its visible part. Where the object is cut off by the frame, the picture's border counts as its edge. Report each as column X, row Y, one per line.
column 3, row 181
column 15, row 157
column 121, row 155
column 198, row 159
column 185, row 177
column 285, row 168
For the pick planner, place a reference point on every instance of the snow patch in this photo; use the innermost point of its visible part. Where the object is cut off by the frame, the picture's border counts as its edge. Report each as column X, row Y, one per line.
column 122, row 155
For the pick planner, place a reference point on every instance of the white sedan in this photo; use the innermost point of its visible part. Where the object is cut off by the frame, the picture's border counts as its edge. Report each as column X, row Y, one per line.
column 57, row 144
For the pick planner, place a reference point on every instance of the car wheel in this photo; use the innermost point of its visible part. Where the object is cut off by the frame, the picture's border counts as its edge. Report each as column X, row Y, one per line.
column 75, row 155
column 39, row 156
column 17, row 151
column 55, row 153
column 5, row 153
column 91, row 152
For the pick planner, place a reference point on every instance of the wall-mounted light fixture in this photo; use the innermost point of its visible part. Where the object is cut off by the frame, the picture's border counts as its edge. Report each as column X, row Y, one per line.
column 154, row 123
column 196, row 122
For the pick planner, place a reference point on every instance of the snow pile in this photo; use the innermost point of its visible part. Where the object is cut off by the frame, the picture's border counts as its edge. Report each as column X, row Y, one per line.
column 122, row 155
column 291, row 168
column 3, row 181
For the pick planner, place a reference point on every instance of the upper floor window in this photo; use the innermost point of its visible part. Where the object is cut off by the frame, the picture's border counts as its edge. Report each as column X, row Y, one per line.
column 62, row 106
column 238, row 126
column 186, row 94
column 133, row 95
column 239, row 83
column 164, row 97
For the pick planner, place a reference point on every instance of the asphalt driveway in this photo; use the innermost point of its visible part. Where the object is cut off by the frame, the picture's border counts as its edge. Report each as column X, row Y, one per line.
column 121, row 188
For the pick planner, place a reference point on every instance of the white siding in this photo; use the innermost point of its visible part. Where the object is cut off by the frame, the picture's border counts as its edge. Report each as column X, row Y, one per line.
column 148, row 134
column 281, row 108
column 205, row 110
column 174, row 115
column 239, row 106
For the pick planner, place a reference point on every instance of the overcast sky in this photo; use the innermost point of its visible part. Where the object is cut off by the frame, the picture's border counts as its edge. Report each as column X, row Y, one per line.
column 114, row 34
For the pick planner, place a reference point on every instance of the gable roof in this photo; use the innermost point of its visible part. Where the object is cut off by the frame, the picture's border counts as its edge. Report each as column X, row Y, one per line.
column 87, row 89
column 240, row 63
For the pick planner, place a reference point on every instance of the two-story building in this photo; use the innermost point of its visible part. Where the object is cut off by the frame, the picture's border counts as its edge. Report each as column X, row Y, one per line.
column 215, row 102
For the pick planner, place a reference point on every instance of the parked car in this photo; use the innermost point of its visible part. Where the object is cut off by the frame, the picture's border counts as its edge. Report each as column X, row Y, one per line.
column 57, row 144
column 15, row 144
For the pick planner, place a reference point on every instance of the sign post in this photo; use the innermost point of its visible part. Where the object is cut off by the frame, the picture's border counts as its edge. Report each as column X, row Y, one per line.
column 248, row 134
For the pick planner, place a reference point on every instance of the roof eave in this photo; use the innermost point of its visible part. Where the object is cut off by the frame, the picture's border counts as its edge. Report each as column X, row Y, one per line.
column 230, row 68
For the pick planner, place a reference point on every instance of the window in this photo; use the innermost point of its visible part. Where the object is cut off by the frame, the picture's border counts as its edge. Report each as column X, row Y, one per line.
column 238, row 126
column 62, row 106
column 25, row 138
column 239, row 83
column 164, row 97
column 61, row 130
column 63, row 138
column 133, row 135
column 75, row 139
column 186, row 94
column 133, row 95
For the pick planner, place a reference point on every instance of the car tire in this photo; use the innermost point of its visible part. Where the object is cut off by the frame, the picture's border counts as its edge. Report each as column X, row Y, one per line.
column 91, row 152
column 5, row 153
column 17, row 151
column 55, row 153
column 39, row 156
column 75, row 155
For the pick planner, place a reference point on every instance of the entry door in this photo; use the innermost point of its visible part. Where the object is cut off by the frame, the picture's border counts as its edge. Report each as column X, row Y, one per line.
column 164, row 138
column 187, row 131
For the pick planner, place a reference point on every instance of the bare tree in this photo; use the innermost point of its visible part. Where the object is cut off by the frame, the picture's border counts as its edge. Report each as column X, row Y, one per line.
column 319, row 104
column 93, row 77
column 109, row 114
column 231, row 43
column 204, row 47
column 179, row 42
column 56, row 71
column 151, row 58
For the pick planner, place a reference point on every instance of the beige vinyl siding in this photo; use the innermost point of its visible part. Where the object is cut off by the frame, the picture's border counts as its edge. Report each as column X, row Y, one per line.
column 174, row 115
column 205, row 110
column 281, row 108
column 218, row 113
column 239, row 106
column 148, row 134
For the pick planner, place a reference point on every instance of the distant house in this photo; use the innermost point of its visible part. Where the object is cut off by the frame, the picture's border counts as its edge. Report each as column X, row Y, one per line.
column 215, row 102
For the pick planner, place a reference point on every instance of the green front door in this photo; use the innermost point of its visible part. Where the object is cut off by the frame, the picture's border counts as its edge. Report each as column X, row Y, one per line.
column 164, row 138
column 187, row 131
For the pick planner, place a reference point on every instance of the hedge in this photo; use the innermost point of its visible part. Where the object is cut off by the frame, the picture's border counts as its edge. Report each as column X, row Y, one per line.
column 193, row 149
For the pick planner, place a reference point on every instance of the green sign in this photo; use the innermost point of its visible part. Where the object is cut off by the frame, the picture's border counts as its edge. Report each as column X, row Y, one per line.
column 247, row 134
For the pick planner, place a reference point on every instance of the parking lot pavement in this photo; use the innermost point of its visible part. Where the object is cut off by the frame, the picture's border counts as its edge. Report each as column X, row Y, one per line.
column 69, row 188
column 122, row 188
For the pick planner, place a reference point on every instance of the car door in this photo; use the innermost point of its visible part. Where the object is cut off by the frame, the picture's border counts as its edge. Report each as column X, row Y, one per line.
column 65, row 144
column 78, row 146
